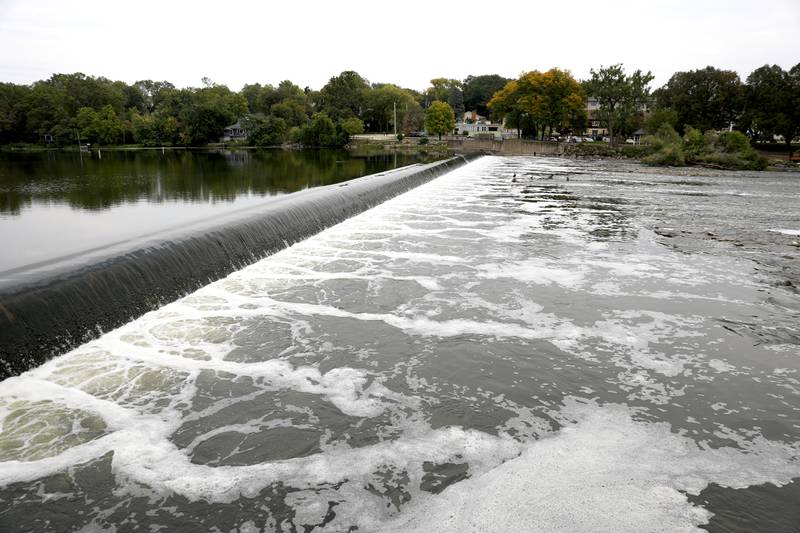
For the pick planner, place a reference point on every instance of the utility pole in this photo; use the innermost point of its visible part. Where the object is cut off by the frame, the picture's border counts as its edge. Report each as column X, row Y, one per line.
column 394, row 106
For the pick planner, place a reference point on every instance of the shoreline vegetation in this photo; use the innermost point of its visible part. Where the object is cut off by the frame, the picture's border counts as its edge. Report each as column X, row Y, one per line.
column 726, row 151
column 705, row 117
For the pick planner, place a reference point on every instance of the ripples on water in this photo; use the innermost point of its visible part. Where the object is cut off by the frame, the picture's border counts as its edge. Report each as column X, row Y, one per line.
column 482, row 353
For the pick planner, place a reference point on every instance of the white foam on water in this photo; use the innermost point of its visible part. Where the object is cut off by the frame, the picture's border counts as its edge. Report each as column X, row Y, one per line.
column 167, row 470
column 720, row 366
column 535, row 271
column 606, row 472
column 475, row 262
column 792, row 232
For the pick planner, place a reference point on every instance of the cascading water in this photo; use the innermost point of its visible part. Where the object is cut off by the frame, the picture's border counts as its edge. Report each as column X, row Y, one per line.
column 45, row 311
column 496, row 350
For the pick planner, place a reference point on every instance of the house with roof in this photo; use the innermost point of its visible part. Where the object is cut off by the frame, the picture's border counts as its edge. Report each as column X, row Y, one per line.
column 234, row 132
column 594, row 127
column 474, row 125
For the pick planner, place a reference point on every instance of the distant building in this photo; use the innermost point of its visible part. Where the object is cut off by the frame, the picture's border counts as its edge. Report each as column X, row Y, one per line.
column 593, row 125
column 638, row 135
column 234, row 132
column 475, row 125
column 471, row 117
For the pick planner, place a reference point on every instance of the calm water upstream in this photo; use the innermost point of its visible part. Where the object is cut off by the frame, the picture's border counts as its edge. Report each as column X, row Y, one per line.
column 55, row 204
column 522, row 344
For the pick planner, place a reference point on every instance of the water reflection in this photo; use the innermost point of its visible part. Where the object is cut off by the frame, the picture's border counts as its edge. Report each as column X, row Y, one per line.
column 58, row 204
column 120, row 177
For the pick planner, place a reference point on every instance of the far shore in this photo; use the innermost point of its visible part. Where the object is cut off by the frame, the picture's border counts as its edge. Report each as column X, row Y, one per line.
column 375, row 143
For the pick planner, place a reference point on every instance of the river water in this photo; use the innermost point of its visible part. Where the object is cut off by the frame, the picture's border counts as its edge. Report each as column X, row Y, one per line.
column 60, row 204
column 523, row 344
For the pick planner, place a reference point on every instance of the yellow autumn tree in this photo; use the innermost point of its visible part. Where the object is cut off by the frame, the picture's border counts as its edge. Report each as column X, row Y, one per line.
column 540, row 103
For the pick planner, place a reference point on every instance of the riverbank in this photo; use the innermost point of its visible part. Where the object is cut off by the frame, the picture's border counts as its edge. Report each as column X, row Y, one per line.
column 366, row 145
column 429, row 147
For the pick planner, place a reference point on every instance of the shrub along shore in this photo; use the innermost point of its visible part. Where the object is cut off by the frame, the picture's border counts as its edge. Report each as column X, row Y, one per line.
column 726, row 150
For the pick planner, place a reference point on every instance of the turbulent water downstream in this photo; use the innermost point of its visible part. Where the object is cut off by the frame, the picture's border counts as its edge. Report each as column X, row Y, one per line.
column 522, row 344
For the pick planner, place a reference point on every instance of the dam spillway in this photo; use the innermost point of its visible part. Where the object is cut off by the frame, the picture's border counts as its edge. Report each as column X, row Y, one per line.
column 50, row 307
column 495, row 350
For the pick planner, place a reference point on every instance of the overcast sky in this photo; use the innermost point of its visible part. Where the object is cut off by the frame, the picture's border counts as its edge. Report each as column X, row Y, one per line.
column 407, row 42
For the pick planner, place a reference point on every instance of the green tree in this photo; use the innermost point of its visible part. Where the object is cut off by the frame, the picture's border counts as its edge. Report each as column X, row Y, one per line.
column 287, row 90
column 668, row 148
column 254, row 95
column 151, row 93
column 478, row 90
column 659, row 116
column 505, row 106
column 144, row 128
column 266, row 131
column 12, row 112
column 619, row 96
column 103, row 126
column 353, row 126
column 47, row 113
column 321, row 132
column 446, row 90
column 439, row 118
column 773, row 103
column 382, row 102
column 291, row 111
column 205, row 112
column 343, row 96
column 705, row 99
column 695, row 143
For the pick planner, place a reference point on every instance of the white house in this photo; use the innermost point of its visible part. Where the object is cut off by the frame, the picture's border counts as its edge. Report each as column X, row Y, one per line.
column 234, row 132
column 475, row 125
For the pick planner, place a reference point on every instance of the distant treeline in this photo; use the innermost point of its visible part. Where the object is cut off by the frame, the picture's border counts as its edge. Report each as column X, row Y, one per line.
column 765, row 106
column 156, row 113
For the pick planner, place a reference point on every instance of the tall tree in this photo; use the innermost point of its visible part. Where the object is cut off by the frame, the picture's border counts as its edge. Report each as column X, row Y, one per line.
column 343, row 96
column 439, row 118
column 12, row 112
column 539, row 102
column 773, row 103
column 705, row 99
column 383, row 102
column 619, row 96
column 554, row 99
column 101, row 126
column 478, row 90
column 504, row 106
column 446, row 90
column 253, row 94
column 205, row 112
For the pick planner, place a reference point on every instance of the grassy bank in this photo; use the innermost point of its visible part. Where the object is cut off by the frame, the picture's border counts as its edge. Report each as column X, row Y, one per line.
column 726, row 150
column 603, row 150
